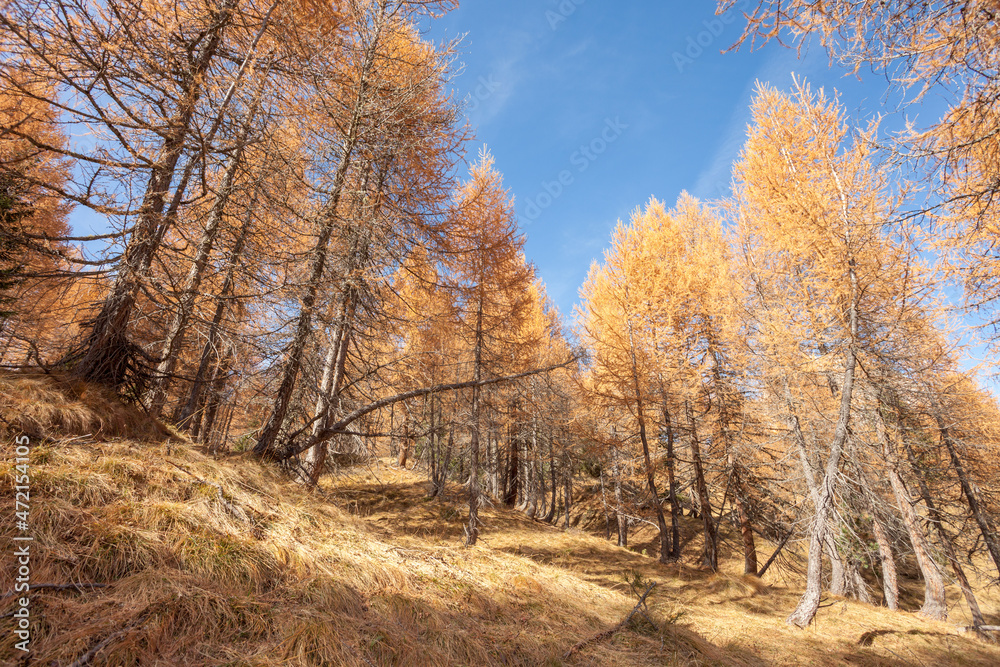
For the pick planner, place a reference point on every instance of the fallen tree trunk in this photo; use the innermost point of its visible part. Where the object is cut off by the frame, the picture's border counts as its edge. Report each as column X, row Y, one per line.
column 348, row 419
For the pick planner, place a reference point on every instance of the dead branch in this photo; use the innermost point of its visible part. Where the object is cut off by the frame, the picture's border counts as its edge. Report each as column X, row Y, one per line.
column 100, row 646
column 341, row 425
column 611, row 631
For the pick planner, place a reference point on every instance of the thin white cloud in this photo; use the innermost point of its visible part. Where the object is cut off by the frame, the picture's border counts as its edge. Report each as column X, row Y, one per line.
column 715, row 180
column 488, row 94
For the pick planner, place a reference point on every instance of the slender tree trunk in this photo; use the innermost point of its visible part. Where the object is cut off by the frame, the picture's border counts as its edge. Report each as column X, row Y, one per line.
column 434, row 446
column 442, row 480
column 890, row 579
column 604, row 507
column 986, row 526
column 711, row 559
column 551, row 514
column 513, row 474
column 543, row 502
column 316, row 455
column 404, row 449
column 808, row 604
column 620, row 518
column 746, row 528
column 108, row 353
column 854, row 583
column 189, row 292
column 493, row 462
column 935, row 605
column 497, row 463
column 949, row 546
column 531, row 509
column 325, row 396
column 838, row 577
column 568, row 489
column 650, row 480
column 675, row 510
column 215, row 395
column 472, row 530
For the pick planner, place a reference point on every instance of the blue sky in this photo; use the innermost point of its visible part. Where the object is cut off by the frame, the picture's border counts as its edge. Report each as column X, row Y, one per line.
column 623, row 101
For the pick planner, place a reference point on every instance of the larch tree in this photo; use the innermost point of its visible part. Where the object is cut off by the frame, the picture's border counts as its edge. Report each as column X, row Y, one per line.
column 380, row 126
column 661, row 316
column 141, row 90
column 832, row 287
column 493, row 277
column 948, row 48
column 33, row 256
column 622, row 299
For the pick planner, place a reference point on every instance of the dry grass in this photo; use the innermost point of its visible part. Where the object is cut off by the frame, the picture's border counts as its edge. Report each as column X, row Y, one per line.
column 48, row 405
column 226, row 562
column 738, row 619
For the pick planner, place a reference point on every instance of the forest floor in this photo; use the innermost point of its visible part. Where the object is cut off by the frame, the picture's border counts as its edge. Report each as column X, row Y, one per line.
column 148, row 551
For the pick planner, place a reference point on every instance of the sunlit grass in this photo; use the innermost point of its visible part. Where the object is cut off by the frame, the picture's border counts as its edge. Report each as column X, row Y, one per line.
column 227, row 562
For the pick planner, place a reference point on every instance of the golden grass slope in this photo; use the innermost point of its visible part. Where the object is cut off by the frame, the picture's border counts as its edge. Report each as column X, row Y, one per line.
column 205, row 562
column 226, row 562
column 44, row 405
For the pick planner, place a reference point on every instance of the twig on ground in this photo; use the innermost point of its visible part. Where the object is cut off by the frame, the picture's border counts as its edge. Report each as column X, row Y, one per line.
column 611, row 631
column 100, row 646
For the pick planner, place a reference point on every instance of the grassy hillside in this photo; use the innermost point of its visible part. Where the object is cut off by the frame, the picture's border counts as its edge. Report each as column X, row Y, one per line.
column 187, row 560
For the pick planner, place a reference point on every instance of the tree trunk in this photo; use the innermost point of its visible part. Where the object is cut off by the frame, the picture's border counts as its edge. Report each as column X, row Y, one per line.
column 838, row 578
column 934, row 605
column 746, row 528
column 108, row 353
column 949, row 546
column 316, row 455
column 604, row 507
column 551, row 513
column 711, row 556
column 568, row 489
column 513, row 474
column 620, row 519
column 982, row 519
column 890, row 580
column 808, row 604
column 215, row 395
column 675, row 510
column 531, row 509
column 472, row 530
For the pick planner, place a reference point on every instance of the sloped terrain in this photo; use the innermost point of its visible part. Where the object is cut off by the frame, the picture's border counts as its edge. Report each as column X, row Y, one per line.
column 152, row 553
